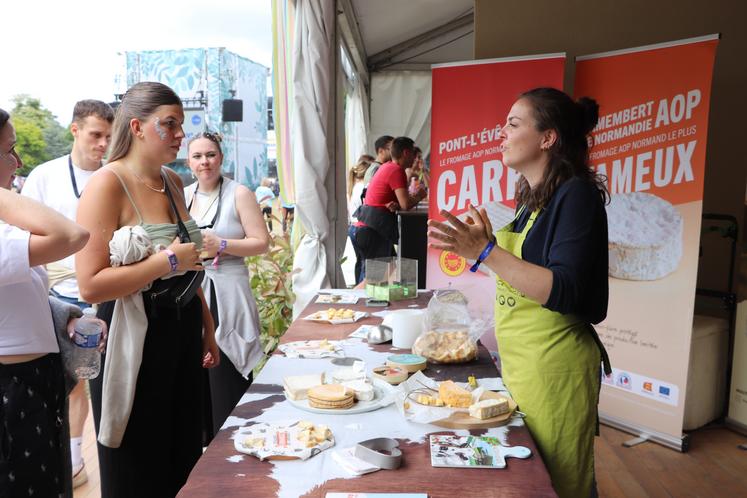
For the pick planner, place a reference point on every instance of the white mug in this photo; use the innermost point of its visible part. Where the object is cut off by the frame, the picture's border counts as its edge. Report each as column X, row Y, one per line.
column 406, row 326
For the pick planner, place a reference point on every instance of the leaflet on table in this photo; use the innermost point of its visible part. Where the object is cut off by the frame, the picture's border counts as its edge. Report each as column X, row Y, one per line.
column 337, row 298
column 475, row 452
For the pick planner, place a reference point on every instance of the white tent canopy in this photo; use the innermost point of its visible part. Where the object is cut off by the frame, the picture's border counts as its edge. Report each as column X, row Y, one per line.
column 390, row 46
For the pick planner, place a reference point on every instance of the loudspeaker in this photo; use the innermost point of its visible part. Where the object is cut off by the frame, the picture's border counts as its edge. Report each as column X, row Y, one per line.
column 233, row 110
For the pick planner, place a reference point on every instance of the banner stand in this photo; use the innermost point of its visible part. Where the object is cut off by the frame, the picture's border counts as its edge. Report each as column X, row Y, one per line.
column 734, row 425
column 646, row 133
column 681, row 443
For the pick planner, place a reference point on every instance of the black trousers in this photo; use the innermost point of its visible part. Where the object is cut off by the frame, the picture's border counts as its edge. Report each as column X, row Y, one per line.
column 32, row 436
column 163, row 439
column 372, row 245
column 224, row 386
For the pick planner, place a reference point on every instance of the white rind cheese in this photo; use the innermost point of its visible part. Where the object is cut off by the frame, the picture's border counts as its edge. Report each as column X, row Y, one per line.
column 488, row 408
column 363, row 390
column 645, row 236
column 297, row 386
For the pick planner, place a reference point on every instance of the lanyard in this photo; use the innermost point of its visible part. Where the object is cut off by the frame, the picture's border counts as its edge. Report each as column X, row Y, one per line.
column 72, row 176
column 217, row 210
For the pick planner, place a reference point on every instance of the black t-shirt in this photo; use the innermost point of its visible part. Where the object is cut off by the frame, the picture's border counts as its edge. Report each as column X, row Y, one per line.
column 569, row 237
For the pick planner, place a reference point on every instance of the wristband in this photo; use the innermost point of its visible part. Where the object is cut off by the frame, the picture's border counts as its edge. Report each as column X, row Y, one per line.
column 172, row 259
column 483, row 256
column 221, row 248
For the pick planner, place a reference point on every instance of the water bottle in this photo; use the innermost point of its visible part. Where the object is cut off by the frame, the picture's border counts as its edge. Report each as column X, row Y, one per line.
column 86, row 338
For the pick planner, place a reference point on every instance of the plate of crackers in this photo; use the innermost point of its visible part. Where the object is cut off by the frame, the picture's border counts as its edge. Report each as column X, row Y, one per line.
column 338, row 399
column 336, row 315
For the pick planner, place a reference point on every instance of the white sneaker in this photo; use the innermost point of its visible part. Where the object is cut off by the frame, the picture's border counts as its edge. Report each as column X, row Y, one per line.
column 80, row 476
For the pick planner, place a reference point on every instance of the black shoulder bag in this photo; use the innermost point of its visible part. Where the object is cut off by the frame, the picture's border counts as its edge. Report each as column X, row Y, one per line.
column 174, row 292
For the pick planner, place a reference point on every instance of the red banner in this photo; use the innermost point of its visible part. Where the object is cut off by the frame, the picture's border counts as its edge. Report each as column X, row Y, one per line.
column 650, row 143
column 470, row 103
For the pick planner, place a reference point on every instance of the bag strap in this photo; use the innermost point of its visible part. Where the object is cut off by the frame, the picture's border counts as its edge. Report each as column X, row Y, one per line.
column 182, row 231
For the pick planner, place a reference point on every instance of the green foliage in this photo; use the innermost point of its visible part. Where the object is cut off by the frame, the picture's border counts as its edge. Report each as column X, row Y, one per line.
column 270, row 280
column 30, row 144
column 40, row 136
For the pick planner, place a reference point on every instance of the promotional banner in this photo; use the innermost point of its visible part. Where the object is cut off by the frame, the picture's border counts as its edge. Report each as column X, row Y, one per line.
column 470, row 103
column 738, row 390
column 650, row 143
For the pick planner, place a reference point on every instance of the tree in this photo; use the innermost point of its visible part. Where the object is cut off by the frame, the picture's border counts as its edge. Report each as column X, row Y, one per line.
column 40, row 136
column 30, row 143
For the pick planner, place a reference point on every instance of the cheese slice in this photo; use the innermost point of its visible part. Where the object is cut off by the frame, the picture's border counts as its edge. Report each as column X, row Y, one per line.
column 488, row 408
column 645, row 236
column 453, row 395
column 297, row 386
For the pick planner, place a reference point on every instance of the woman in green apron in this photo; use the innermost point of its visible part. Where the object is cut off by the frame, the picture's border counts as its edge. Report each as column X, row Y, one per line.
column 551, row 266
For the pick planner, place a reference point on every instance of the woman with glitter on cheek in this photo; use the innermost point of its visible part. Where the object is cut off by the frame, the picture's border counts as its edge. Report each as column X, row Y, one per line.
column 148, row 413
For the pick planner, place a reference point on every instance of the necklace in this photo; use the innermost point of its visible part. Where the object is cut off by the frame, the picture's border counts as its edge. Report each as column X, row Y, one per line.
column 159, row 190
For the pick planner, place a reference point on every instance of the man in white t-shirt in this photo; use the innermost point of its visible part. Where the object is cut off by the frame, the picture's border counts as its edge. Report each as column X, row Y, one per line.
column 58, row 184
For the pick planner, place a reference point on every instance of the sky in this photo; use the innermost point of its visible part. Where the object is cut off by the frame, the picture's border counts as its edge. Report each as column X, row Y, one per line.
column 62, row 52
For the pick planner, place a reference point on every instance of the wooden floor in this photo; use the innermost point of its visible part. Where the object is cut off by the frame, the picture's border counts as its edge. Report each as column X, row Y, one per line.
column 91, row 488
column 713, row 467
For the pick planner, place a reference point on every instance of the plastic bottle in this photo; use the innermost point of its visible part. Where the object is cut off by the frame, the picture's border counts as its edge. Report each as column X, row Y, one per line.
column 86, row 338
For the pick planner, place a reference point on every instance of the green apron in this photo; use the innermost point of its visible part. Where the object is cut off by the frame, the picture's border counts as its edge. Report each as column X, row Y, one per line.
column 550, row 363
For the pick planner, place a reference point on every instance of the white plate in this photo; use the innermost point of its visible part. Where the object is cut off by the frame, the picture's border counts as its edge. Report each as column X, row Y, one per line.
column 312, row 349
column 356, row 316
column 383, row 396
column 268, row 432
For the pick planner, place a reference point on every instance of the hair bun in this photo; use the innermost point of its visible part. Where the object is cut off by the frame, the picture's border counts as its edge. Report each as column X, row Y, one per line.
column 589, row 113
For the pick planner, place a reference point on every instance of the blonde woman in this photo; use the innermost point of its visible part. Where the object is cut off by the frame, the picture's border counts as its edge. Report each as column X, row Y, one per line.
column 356, row 185
column 233, row 228
column 162, row 438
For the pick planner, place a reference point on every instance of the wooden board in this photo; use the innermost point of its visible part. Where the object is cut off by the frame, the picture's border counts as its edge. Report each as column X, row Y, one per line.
column 462, row 420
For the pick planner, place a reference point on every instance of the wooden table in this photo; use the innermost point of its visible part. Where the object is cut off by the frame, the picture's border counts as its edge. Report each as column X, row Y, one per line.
column 214, row 476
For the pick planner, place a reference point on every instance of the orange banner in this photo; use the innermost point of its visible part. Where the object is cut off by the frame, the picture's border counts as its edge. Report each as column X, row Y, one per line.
column 650, row 143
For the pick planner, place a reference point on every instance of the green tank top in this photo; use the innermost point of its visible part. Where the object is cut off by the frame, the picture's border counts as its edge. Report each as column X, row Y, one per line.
column 163, row 233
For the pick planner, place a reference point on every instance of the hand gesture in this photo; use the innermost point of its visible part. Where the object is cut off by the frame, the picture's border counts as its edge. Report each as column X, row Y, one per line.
column 465, row 239
column 187, row 255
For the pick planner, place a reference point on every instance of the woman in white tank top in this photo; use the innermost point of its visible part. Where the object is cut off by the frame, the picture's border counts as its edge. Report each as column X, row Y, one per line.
column 233, row 228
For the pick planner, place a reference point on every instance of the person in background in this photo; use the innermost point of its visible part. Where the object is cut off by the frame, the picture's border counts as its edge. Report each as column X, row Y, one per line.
column 355, row 194
column 415, row 173
column 58, row 184
column 383, row 146
column 34, row 444
column 387, row 193
column 151, row 450
column 233, row 229
column 265, row 196
column 288, row 209
column 551, row 279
